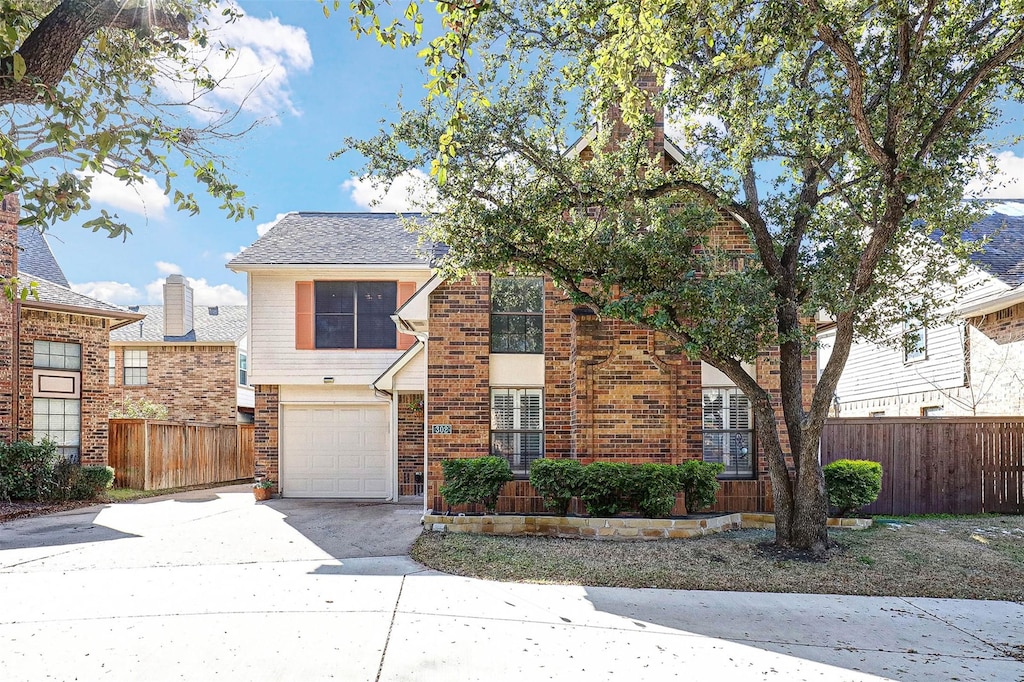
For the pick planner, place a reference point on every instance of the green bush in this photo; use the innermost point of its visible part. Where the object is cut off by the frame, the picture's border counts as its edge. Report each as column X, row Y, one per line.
column 654, row 488
column 91, row 482
column 602, row 488
column 852, row 483
column 475, row 481
column 608, row 488
column 557, row 481
column 26, row 470
column 699, row 482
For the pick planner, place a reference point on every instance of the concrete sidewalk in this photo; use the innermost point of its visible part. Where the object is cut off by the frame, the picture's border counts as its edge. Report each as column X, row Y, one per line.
column 218, row 586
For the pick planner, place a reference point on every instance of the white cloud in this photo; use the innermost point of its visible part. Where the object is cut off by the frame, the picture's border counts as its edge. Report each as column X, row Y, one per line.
column 203, row 293
column 255, row 77
column 1008, row 182
column 143, row 198
column 165, row 268
column 118, row 293
column 414, row 190
column 263, row 228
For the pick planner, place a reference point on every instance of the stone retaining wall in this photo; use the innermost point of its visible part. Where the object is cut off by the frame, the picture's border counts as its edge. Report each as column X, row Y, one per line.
column 610, row 529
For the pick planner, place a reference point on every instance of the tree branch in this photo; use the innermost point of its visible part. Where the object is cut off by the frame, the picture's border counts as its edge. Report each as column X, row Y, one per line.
column 51, row 47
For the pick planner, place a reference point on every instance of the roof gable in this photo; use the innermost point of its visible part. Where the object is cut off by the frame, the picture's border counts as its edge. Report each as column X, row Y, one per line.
column 35, row 257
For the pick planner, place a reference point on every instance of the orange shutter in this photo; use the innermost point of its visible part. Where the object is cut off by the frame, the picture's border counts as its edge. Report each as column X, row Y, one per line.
column 405, row 292
column 304, row 312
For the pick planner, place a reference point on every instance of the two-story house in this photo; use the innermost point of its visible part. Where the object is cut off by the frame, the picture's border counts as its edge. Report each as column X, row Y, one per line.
column 53, row 350
column 192, row 359
column 369, row 371
column 973, row 365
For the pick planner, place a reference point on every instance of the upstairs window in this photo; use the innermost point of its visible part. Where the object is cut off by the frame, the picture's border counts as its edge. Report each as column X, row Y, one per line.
column 915, row 341
column 355, row 314
column 136, row 367
column 517, row 315
column 728, row 431
column 57, row 355
column 243, row 369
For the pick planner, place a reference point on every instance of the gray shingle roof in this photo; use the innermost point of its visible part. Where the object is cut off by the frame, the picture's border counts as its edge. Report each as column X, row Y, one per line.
column 1003, row 255
column 56, row 294
column 308, row 238
column 228, row 325
column 36, row 258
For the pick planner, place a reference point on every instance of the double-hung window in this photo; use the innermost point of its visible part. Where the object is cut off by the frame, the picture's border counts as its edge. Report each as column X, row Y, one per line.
column 517, row 315
column 136, row 367
column 354, row 314
column 517, row 426
column 243, row 369
column 728, row 432
column 915, row 340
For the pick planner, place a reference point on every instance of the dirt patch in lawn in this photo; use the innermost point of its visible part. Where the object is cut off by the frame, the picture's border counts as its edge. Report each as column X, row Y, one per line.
column 976, row 557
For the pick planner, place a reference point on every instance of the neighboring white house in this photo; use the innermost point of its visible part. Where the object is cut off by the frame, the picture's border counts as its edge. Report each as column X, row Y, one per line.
column 974, row 366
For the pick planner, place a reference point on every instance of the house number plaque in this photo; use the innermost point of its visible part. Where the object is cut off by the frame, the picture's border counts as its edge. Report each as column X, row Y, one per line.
column 441, row 428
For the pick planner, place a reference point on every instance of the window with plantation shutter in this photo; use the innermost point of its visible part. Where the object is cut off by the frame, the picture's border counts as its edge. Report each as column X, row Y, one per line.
column 728, row 432
column 517, row 426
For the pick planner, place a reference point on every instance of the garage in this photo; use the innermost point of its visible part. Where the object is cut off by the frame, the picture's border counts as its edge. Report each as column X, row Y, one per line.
column 335, row 451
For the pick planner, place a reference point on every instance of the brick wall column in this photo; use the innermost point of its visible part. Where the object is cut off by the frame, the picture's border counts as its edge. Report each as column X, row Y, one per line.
column 265, row 434
column 9, row 215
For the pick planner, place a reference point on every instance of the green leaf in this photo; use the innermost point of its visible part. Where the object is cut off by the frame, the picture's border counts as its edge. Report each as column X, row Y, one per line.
column 19, row 66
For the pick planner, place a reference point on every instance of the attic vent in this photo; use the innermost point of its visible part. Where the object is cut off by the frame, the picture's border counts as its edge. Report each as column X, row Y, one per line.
column 1004, row 314
column 214, row 310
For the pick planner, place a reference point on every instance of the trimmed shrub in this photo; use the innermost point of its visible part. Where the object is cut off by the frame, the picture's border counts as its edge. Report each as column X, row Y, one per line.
column 608, row 488
column 699, row 482
column 26, row 470
column 557, row 481
column 654, row 488
column 602, row 488
column 91, row 482
column 138, row 408
column 475, row 481
column 852, row 483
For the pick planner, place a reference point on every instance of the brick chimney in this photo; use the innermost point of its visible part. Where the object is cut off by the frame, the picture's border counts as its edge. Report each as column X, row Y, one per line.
column 647, row 81
column 10, row 212
column 177, row 306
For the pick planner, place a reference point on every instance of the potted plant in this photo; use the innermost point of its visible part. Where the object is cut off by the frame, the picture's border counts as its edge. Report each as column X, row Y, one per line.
column 261, row 489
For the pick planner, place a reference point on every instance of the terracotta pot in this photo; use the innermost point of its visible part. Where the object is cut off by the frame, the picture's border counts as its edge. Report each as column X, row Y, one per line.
column 261, row 494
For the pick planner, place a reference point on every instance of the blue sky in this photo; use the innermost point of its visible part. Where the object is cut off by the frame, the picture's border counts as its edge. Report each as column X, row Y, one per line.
column 319, row 86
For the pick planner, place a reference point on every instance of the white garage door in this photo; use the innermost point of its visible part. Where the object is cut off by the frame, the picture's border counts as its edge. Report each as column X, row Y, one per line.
column 335, row 451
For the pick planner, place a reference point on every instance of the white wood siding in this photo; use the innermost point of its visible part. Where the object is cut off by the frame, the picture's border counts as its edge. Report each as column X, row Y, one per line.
column 874, row 372
column 413, row 377
column 273, row 358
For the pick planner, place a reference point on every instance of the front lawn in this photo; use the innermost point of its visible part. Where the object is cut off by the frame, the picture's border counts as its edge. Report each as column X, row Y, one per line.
column 967, row 557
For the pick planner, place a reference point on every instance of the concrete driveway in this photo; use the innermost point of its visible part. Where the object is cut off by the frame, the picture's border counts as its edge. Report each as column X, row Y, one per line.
column 212, row 584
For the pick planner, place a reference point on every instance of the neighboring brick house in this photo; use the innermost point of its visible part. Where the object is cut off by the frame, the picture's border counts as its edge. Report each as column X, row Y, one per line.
column 191, row 359
column 971, row 366
column 57, row 388
column 502, row 365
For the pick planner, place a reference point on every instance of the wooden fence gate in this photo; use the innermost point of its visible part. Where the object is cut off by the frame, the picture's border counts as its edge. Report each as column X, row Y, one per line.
column 153, row 455
column 936, row 465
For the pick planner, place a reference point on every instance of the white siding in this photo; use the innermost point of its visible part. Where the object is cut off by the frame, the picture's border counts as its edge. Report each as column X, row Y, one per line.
column 273, row 358
column 413, row 377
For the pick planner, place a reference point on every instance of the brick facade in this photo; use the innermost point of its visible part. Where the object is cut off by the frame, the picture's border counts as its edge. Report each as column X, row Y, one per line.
column 265, row 434
column 458, row 373
column 92, row 334
column 9, row 215
column 196, row 383
column 410, row 444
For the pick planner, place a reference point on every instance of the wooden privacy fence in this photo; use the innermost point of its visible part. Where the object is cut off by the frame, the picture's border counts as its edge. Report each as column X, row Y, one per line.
column 936, row 465
column 153, row 455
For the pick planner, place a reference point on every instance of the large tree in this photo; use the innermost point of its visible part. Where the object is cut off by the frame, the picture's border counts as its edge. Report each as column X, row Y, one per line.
column 92, row 86
column 840, row 136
